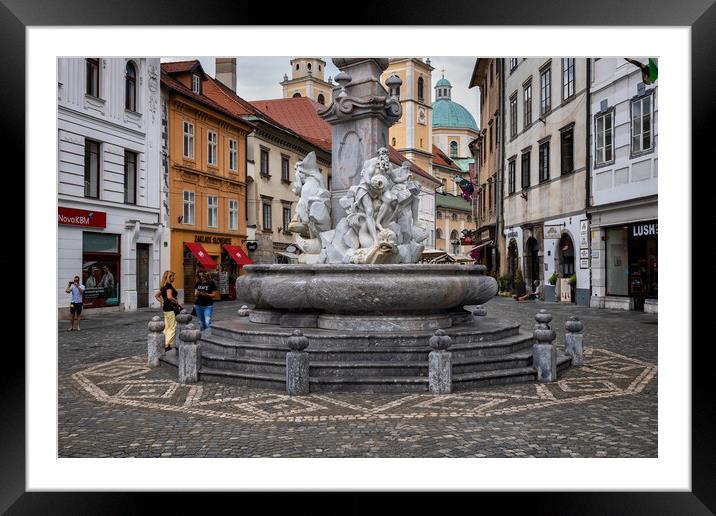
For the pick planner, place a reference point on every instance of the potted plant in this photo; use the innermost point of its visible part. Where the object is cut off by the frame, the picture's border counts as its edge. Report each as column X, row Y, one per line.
column 553, row 279
column 573, row 286
column 504, row 282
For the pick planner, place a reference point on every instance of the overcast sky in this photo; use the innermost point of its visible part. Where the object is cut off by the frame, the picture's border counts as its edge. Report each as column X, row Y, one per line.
column 258, row 78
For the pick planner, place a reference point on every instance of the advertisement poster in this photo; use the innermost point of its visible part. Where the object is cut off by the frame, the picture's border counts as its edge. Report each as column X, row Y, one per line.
column 101, row 286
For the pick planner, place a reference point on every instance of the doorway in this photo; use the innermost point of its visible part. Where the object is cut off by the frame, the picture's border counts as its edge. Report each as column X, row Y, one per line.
column 142, row 275
column 532, row 262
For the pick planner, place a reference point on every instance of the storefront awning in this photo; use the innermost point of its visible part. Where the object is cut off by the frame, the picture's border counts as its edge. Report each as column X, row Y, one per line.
column 201, row 255
column 286, row 254
column 238, row 254
column 480, row 246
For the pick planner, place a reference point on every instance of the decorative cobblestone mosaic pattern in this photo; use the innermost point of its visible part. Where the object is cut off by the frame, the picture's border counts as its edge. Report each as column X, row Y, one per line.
column 129, row 382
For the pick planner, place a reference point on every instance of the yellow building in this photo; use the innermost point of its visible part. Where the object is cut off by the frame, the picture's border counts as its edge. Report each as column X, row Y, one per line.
column 412, row 134
column 206, row 153
column 307, row 80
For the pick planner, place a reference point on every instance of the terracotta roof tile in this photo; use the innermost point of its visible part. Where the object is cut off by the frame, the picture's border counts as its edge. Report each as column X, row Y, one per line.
column 183, row 66
column 441, row 159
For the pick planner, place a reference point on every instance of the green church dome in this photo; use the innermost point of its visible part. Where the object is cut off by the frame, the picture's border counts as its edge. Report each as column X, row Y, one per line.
column 447, row 113
column 443, row 82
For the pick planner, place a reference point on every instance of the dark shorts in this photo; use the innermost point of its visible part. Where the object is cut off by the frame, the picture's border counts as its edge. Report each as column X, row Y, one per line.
column 75, row 308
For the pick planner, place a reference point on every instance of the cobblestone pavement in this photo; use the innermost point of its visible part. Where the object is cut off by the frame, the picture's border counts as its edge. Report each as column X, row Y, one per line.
column 111, row 405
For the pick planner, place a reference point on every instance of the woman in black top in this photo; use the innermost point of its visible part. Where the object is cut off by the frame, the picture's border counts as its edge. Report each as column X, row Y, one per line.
column 167, row 295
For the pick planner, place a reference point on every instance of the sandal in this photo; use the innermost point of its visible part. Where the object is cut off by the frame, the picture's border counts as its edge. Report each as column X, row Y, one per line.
column 70, row 329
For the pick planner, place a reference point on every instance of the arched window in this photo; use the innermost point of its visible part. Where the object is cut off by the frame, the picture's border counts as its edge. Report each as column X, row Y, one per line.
column 421, row 88
column 453, row 239
column 308, row 66
column 454, row 217
column 453, row 149
column 130, row 87
column 296, row 67
column 321, row 99
column 296, row 95
column 393, row 142
column 439, row 215
column 438, row 234
column 469, row 218
column 319, row 68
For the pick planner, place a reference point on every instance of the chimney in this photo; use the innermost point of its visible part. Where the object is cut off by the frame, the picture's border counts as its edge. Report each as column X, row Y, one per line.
column 226, row 71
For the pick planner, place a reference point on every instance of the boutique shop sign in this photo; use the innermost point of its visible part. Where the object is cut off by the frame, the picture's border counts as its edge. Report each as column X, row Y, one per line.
column 84, row 218
column 647, row 229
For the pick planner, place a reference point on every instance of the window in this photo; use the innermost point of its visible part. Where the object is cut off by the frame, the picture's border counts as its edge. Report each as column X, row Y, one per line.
column 567, row 150
column 264, row 170
column 512, row 165
column 196, row 84
column 296, row 67
column 438, row 234
column 604, row 151
column 469, row 218
column 130, row 87
column 267, row 216
column 321, row 99
column 641, row 124
column 285, row 168
column 421, row 89
column 93, row 76
column 92, row 157
column 454, row 216
column 525, row 170
column 439, row 215
column 286, row 218
column 188, row 208
column 567, row 77
column 453, row 149
column 513, row 63
column 544, row 162
column 492, row 140
column 233, row 154
column 130, row 177
column 527, row 104
column 212, row 211
column 545, row 86
column 233, row 214
column 513, row 115
column 188, row 140
column 393, row 141
column 211, row 147
column 308, row 66
column 296, row 95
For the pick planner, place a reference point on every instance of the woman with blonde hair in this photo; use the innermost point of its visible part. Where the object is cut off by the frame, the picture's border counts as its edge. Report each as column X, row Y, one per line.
column 167, row 295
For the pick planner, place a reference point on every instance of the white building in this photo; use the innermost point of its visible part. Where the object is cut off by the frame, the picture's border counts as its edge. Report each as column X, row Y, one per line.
column 109, row 231
column 624, row 236
column 545, row 172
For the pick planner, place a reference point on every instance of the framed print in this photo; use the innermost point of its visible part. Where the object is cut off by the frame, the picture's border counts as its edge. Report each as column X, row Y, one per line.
column 75, row 401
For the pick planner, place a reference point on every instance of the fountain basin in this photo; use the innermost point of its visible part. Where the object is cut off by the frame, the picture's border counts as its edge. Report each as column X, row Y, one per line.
column 362, row 290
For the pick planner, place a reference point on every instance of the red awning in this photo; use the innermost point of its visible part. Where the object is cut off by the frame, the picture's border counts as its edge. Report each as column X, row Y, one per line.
column 238, row 254
column 201, row 255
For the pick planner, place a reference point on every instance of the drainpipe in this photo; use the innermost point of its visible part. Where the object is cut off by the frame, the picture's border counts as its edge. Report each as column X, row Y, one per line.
column 587, row 172
column 499, row 236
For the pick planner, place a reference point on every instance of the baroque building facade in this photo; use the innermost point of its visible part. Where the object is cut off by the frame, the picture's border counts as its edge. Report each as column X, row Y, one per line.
column 624, row 178
column 308, row 80
column 206, row 155
column 109, row 199
column 546, row 226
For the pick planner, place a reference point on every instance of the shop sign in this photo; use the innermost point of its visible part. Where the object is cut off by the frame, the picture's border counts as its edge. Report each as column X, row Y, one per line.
column 511, row 234
column 583, row 253
column 82, row 218
column 645, row 230
column 206, row 239
column 485, row 235
column 583, row 234
column 551, row 232
column 584, row 263
column 252, row 246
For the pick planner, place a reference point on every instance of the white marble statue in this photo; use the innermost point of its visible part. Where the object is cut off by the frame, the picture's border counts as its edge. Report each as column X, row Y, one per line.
column 381, row 221
column 313, row 210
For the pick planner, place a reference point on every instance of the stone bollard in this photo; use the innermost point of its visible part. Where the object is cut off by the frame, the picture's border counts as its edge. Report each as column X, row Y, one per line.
column 155, row 341
column 573, row 341
column 183, row 319
column 479, row 311
column 440, row 364
column 297, row 366
column 189, row 357
column 544, row 354
column 243, row 311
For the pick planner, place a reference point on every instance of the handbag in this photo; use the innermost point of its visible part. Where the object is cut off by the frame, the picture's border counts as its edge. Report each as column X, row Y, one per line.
column 177, row 309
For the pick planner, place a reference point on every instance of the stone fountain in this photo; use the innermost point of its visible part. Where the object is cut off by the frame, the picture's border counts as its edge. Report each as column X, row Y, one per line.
column 366, row 306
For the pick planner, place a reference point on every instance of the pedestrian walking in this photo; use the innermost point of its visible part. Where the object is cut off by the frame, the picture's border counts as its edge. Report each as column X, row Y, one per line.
column 167, row 295
column 76, row 289
column 204, row 292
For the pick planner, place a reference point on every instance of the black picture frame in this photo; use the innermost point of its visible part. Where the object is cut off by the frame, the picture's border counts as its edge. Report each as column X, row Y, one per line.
column 699, row 15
